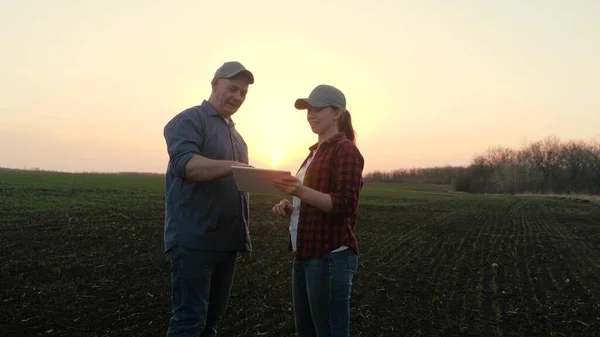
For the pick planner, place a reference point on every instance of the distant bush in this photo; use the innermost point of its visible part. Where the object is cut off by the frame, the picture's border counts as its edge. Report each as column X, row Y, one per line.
column 546, row 166
column 435, row 175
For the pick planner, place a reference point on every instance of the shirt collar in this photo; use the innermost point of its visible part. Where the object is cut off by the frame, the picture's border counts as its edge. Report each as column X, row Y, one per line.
column 211, row 111
column 332, row 139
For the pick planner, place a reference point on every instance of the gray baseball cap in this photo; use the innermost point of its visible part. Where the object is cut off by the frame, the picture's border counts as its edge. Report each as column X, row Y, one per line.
column 232, row 68
column 322, row 96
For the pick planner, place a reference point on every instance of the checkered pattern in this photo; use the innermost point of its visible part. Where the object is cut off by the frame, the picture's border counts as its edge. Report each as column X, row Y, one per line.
column 336, row 170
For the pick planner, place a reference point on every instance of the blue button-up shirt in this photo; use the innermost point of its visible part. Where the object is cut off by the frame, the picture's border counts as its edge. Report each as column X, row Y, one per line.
column 210, row 215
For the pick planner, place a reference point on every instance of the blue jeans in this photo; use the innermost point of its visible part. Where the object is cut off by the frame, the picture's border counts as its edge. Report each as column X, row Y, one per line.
column 321, row 294
column 201, row 282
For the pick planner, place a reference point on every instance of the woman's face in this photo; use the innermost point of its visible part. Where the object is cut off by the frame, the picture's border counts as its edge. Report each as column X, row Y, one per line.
column 322, row 120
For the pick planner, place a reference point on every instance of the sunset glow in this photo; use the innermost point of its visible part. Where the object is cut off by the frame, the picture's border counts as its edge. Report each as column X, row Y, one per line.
column 275, row 157
column 89, row 86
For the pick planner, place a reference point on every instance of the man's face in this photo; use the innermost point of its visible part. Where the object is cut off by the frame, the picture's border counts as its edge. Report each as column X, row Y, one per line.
column 229, row 94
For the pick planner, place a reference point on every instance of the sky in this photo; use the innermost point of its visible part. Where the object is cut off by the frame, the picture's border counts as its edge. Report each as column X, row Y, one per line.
column 89, row 85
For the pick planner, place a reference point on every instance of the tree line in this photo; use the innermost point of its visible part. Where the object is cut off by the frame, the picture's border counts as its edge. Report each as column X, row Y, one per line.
column 544, row 166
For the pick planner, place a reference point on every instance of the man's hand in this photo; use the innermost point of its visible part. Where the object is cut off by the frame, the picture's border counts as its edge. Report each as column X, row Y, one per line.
column 237, row 163
column 200, row 168
column 283, row 208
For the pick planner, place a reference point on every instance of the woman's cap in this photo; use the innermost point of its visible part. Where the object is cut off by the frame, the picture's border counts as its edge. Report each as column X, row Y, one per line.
column 322, row 96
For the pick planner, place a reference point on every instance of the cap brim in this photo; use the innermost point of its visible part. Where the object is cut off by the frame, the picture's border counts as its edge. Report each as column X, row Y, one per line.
column 305, row 103
column 245, row 73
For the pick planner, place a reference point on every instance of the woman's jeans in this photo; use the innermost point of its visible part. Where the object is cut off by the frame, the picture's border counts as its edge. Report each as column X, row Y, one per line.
column 321, row 294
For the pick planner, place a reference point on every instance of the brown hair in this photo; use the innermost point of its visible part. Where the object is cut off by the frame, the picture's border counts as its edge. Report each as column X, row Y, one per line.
column 345, row 126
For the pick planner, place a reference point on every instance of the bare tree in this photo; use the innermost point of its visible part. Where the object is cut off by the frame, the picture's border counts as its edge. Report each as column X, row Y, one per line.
column 593, row 165
column 575, row 157
column 545, row 156
column 543, row 166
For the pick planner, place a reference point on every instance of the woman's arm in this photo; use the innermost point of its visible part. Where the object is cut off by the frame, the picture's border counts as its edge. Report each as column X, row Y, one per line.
column 349, row 164
column 318, row 199
column 347, row 184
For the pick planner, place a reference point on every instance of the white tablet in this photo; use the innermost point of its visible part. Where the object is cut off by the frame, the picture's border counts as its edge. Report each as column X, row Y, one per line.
column 258, row 180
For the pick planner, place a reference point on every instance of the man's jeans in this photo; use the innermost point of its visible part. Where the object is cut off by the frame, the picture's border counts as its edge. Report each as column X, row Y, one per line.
column 321, row 294
column 201, row 282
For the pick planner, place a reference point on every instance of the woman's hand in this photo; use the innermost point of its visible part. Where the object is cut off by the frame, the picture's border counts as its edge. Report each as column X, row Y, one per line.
column 289, row 184
column 283, row 208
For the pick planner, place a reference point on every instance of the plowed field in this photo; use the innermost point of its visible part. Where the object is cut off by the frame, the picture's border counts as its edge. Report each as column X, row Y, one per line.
column 81, row 255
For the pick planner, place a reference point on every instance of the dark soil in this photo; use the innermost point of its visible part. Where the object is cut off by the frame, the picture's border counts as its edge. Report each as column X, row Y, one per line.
column 437, row 266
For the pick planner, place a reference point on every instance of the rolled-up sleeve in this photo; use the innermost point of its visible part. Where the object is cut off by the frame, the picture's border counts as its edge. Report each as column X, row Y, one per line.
column 347, row 180
column 184, row 139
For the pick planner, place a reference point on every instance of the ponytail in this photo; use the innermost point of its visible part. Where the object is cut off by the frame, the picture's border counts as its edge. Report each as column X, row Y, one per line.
column 345, row 126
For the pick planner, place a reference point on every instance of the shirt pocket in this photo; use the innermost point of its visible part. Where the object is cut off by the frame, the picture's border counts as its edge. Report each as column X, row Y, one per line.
column 239, row 146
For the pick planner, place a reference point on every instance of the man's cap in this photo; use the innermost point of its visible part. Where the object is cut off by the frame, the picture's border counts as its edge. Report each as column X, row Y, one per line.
column 322, row 96
column 233, row 68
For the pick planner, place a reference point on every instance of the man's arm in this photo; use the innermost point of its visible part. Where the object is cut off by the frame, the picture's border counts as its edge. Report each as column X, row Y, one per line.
column 199, row 168
column 184, row 139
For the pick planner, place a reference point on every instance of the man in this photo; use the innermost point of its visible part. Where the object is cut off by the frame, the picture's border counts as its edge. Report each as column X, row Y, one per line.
column 206, row 216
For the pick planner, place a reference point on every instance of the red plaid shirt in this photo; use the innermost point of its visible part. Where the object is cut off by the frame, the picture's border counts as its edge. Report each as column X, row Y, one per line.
column 336, row 169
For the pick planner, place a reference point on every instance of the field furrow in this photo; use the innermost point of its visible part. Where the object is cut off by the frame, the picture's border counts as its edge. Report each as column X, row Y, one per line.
column 84, row 257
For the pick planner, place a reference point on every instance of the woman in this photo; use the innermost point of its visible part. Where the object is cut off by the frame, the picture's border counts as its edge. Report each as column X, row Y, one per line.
column 322, row 216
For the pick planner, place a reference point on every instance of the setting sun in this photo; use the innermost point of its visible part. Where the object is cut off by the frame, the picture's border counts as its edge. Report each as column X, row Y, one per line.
column 482, row 80
column 275, row 157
